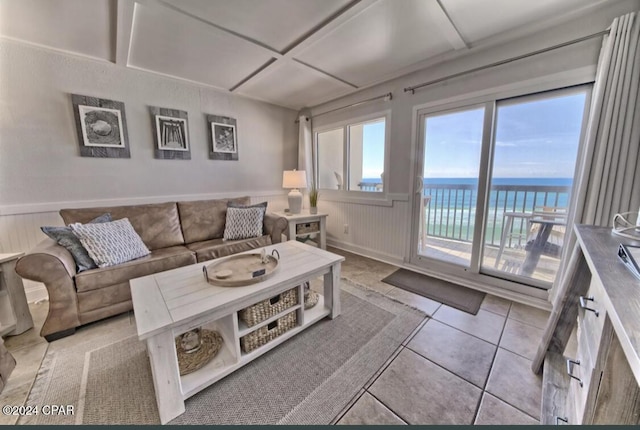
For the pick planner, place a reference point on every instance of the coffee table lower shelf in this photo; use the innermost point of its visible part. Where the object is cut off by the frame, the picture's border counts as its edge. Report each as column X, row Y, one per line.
column 226, row 361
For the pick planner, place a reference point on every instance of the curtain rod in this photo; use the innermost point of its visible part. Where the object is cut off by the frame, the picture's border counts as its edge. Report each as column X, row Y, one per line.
column 413, row 89
column 385, row 97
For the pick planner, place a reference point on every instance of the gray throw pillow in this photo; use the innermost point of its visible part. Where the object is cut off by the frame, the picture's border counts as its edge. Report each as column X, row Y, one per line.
column 244, row 222
column 65, row 237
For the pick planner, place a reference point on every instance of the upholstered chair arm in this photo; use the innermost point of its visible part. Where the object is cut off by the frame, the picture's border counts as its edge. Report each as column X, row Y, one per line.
column 275, row 226
column 54, row 266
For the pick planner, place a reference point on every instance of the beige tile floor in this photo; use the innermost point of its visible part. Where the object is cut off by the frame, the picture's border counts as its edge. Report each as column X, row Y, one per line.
column 455, row 369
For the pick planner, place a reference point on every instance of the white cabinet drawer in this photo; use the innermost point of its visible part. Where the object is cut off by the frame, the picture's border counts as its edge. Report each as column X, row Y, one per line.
column 581, row 371
column 591, row 317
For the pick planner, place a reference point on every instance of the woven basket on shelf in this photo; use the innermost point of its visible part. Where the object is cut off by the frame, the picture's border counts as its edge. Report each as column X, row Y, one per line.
column 265, row 309
column 264, row 334
column 190, row 362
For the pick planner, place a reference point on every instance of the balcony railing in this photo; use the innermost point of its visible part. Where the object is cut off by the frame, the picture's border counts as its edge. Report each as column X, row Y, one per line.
column 370, row 186
column 450, row 209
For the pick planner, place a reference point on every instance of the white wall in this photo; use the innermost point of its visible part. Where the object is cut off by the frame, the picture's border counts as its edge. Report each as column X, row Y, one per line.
column 40, row 166
column 39, row 157
column 370, row 231
column 356, row 143
column 330, row 158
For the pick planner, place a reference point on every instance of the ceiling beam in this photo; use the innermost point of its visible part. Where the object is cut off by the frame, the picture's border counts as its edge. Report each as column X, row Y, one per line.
column 324, row 73
column 269, row 50
column 352, row 9
column 124, row 26
column 327, row 26
column 330, row 24
column 448, row 27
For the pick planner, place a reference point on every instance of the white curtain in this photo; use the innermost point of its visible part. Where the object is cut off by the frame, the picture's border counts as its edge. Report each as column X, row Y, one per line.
column 305, row 155
column 609, row 180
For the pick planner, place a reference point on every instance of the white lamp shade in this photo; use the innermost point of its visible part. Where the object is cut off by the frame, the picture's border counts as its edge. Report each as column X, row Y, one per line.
column 294, row 179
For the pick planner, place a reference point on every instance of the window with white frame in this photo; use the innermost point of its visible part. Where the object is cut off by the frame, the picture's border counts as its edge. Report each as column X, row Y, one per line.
column 351, row 157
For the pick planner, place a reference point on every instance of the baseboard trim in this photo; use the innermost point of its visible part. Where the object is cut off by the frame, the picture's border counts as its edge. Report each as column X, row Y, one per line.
column 537, row 302
column 366, row 252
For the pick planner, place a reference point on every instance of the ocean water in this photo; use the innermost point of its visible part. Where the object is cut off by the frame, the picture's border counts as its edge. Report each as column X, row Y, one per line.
column 565, row 182
column 452, row 203
column 510, row 194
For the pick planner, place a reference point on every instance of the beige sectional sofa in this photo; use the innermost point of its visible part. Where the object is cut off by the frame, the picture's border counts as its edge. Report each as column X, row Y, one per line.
column 176, row 233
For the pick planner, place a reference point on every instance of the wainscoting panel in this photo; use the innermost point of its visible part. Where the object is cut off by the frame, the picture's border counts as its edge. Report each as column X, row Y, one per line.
column 19, row 233
column 378, row 231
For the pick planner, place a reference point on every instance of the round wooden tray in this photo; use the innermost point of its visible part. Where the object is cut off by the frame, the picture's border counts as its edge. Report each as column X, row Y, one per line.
column 238, row 270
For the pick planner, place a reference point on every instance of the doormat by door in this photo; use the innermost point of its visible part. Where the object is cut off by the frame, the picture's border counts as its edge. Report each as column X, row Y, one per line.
column 456, row 296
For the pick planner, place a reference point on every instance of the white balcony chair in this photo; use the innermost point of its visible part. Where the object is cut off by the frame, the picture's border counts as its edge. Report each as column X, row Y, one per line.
column 531, row 232
column 508, row 234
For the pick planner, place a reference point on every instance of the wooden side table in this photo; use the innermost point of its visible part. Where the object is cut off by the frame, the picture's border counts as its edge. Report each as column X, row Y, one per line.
column 305, row 223
column 15, row 317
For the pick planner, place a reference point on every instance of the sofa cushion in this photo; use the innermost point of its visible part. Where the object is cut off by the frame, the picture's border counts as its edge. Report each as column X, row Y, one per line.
column 65, row 237
column 110, row 243
column 102, row 297
column 157, row 224
column 205, row 219
column 244, row 222
column 158, row 261
column 216, row 248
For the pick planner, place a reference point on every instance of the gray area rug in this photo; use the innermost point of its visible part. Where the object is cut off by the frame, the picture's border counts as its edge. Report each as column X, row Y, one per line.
column 310, row 379
column 456, row 296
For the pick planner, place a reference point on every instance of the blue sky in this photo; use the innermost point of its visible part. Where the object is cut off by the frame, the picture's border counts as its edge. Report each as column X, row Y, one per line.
column 536, row 138
column 373, row 154
column 533, row 139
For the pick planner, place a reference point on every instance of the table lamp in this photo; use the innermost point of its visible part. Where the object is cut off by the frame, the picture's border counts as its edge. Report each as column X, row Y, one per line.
column 294, row 179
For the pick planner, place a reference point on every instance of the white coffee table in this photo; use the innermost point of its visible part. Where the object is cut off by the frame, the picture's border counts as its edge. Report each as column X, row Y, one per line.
column 170, row 303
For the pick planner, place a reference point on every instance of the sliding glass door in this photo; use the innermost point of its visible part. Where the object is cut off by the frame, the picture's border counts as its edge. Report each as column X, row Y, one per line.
column 495, row 185
column 534, row 160
column 449, row 184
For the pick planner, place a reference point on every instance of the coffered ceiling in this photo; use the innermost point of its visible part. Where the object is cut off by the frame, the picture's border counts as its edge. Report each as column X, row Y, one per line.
column 292, row 53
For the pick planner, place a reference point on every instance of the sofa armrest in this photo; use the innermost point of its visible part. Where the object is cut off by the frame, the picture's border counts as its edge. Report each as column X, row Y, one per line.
column 54, row 266
column 275, row 226
column 36, row 265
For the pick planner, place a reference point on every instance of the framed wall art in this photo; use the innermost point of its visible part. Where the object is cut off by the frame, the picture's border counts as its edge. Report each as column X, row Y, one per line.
column 170, row 133
column 223, row 138
column 101, row 126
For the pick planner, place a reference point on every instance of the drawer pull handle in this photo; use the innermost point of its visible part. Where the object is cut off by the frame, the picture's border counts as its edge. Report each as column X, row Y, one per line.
column 570, row 364
column 564, row 420
column 274, row 300
column 583, row 304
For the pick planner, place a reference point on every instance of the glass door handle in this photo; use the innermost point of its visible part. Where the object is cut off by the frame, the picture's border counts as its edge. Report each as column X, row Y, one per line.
column 419, row 184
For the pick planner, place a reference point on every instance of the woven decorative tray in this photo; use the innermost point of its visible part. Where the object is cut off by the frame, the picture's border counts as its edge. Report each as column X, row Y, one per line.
column 190, row 362
column 240, row 270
